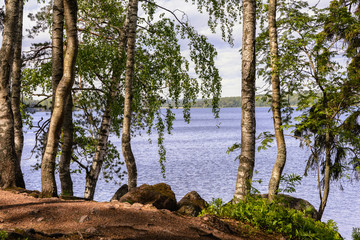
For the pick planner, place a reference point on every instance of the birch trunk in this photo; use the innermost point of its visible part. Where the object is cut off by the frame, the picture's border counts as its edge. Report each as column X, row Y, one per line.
column 276, row 105
column 16, row 96
column 63, row 91
column 326, row 177
column 57, row 56
column 66, row 150
column 8, row 158
column 130, row 62
column 248, row 124
column 57, row 72
column 101, row 148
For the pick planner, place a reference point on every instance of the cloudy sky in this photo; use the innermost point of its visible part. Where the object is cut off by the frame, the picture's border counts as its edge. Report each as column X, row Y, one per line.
column 228, row 60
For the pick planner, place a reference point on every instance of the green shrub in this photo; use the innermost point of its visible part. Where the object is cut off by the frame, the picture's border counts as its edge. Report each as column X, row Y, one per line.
column 3, row 235
column 356, row 234
column 274, row 217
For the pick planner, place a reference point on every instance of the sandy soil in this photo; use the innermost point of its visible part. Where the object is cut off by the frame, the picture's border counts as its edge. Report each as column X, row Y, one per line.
column 39, row 218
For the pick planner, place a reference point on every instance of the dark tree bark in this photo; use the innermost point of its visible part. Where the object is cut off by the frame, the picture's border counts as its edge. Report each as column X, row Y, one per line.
column 63, row 91
column 8, row 159
column 248, row 124
column 16, row 96
column 276, row 104
column 130, row 62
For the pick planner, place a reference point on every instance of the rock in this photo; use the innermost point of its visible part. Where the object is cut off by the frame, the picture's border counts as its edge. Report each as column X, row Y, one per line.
column 120, row 192
column 149, row 207
column 111, row 207
column 160, row 195
column 84, row 218
column 295, row 203
column 91, row 230
column 40, row 219
column 125, row 205
column 191, row 204
column 137, row 206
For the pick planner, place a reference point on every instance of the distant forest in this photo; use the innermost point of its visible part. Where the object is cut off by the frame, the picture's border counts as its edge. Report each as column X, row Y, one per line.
column 233, row 102
column 225, row 102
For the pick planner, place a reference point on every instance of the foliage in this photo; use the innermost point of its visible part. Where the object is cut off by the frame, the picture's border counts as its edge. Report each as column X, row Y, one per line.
column 223, row 14
column 161, row 75
column 327, row 89
column 290, row 181
column 274, row 217
column 3, row 235
column 356, row 234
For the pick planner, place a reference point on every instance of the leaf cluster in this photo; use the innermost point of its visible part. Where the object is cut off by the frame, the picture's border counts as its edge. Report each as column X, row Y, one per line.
column 356, row 233
column 224, row 13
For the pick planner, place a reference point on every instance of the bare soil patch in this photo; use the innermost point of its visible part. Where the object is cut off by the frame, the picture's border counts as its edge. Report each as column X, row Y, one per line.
column 23, row 215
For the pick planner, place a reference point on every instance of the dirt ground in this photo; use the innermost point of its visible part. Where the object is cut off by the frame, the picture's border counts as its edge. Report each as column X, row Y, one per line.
column 25, row 216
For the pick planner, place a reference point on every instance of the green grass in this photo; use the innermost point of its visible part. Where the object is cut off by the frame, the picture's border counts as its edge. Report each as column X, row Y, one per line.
column 274, row 218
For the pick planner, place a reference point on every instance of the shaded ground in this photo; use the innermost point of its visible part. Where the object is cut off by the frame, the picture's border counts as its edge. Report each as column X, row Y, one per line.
column 22, row 215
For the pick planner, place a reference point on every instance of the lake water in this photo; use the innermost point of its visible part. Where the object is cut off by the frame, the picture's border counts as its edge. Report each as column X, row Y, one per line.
column 197, row 160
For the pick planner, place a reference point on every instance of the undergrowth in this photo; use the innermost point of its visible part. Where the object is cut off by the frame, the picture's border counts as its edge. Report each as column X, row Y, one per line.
column 356, row 234
column 3, row 235
column 274, row 218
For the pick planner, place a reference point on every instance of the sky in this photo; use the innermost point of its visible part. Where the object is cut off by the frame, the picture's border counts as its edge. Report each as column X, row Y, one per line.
column 228, row 60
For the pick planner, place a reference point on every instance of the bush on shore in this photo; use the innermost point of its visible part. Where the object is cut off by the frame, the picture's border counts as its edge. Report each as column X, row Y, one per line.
column 274, row 218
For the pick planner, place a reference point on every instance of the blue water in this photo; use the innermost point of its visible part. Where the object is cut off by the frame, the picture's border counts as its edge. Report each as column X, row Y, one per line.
column 197, row 160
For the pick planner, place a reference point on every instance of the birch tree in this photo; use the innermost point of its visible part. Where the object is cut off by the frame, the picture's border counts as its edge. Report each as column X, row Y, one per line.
column 276, row 103
column 57, row 73
column 129, row 76
column 63, row 91
column 248, row 124
column 160, row 76
column 16, row 95
column 9, row 164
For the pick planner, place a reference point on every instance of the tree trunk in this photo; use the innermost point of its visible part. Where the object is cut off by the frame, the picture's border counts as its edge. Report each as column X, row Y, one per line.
column 93, row 175
column 66, row 150
column 63, row 91
column 57, row 72
column 57, row 45
column 8, row 160
column 248, row 124
column 130, row 62
column 326, row 176
column 16, row 96
column 276, row 105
